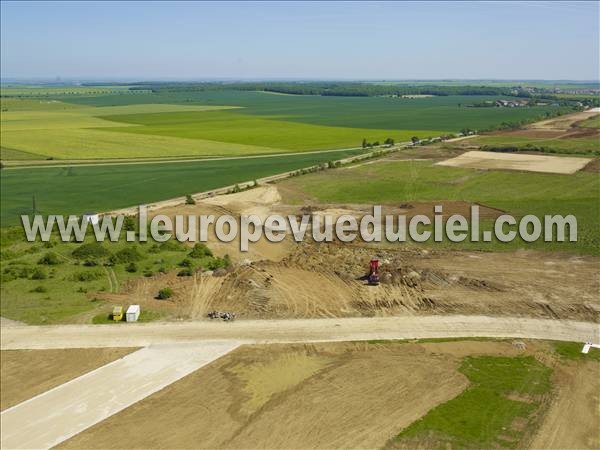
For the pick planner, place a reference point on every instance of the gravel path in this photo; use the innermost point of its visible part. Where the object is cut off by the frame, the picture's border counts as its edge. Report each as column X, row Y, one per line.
column 295, row 330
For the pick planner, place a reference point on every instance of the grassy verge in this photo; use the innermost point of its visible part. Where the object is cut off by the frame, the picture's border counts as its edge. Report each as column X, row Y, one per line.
column 496, row 410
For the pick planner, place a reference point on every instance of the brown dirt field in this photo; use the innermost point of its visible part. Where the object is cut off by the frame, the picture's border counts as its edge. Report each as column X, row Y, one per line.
column 334, row 395
column 573, row 420
column 337, row 396
column 593, row 166
column 326, row 280
column 564, row 122
column 27, row 373
column 310, row 280
column 517, row 161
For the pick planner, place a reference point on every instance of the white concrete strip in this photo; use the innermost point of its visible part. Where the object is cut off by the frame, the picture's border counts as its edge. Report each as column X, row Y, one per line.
column 56, row 415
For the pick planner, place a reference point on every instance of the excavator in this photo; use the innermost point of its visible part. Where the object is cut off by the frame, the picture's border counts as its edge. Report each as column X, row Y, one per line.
column 373, row 278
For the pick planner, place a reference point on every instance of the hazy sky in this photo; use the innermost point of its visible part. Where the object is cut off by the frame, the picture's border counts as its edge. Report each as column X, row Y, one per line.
column 517, row 40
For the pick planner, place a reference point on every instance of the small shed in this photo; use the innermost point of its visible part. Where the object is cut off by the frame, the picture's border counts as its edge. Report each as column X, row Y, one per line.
column 133, row 313
column 91, row 217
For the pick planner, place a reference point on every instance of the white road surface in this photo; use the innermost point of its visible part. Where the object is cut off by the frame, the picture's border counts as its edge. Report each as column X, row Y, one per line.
column 56, row 415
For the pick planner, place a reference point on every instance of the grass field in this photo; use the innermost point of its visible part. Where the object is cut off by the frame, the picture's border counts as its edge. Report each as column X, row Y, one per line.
column 107, row 124
column 74, row 190
column 396, row 182
column 485, row 415
column 574, row 146
column 259, row 131
column 592, row 122
column 432, row 113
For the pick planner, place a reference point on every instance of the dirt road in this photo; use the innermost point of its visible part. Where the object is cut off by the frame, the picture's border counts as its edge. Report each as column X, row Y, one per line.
column 296, row 330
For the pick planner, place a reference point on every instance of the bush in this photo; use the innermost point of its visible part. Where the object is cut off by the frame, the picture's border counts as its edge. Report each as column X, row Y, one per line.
column 91, row 251
column 219, row 263
column 50, row 259
column 87, row 276
column 189, row 200
column 39, row 274
column 128, row 255
column 128, row 223
column 131, row 267
column 200, row 251
column 39, row 290
column 187, row 272
column 186, row 263
column 165, row 293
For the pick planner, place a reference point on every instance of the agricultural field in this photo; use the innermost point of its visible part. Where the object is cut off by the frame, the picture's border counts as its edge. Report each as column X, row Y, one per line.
column 76, row 189
column 228, row 123
column 440, row 394
column 396, row 181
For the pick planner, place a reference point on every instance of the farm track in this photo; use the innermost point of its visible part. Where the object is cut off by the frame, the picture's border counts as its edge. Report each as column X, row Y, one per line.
column 296, row 331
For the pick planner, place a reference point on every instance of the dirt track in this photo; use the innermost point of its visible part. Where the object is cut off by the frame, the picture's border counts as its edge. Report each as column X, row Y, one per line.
column 290, row 331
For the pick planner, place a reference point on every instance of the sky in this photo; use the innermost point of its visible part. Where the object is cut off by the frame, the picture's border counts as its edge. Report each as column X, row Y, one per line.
column 297, row 40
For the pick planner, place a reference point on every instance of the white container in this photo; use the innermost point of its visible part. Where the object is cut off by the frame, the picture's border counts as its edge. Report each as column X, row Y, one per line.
column 91, row 217
column 133, row 313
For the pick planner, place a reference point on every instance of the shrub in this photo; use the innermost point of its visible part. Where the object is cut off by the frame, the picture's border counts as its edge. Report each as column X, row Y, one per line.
column 131, row 267
column 200, row 251
column 189, row 200
column 91, row 251
column 187, row 272
column 128, row 223
column 87, row 276
column 165, row 293
column 49, row 259
column 39, row 274
column 186, row 263
column 39, row 289
column 218, row 263
column 171, row 246
column 128, row 254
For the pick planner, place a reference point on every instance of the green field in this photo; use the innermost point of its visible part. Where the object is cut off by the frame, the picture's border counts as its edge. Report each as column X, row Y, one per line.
column 432, row 113
column 574, row 146
column 517, row 193
column 76, row 189
column 228, row 123
column 592, row 122
column 483, row 415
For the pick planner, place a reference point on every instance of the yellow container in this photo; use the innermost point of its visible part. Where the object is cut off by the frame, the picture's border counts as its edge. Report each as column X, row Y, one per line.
column 117, row 313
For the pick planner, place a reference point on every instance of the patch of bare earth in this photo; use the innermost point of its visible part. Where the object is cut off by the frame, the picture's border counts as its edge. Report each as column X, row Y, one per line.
column 27, row 373
column 573, row 421
column 342, row 395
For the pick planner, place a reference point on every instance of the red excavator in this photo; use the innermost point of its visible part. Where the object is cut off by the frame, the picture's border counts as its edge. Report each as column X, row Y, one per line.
column 373, row 278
